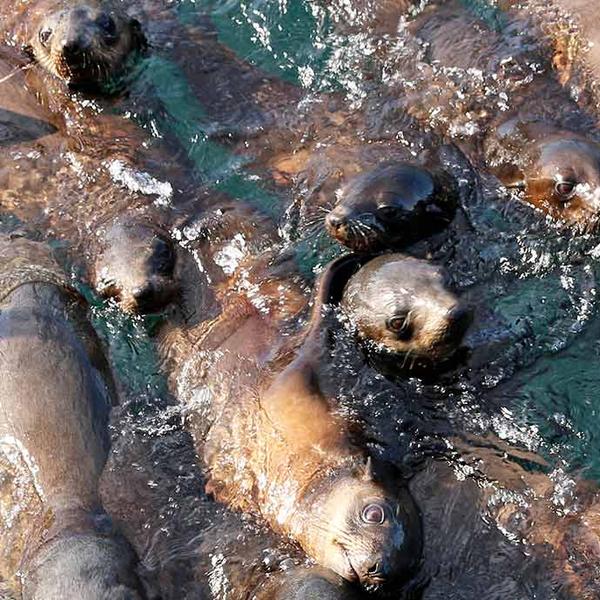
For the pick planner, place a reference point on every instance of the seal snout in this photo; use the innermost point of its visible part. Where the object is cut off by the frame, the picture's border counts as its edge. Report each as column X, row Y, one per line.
column 459, row 319
column 335, row 221
column 359, row 232
column 73, row 51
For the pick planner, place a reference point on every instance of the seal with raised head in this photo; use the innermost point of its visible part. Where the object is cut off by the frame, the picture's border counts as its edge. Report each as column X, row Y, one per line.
column 392, row 206
column 373, row 196
column 85, row 43
column 556, row 171
column 55, row 394
column 403, row 306
column 543, row 142
column 90, row 190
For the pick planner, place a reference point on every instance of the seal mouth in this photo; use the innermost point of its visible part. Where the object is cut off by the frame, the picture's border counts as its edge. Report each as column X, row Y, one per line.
column 358, row 236
column 351, row 574
column 370, row 583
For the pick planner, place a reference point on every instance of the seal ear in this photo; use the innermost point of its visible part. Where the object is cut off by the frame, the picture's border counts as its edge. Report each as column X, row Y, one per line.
column 368, row 472
column 137, row 35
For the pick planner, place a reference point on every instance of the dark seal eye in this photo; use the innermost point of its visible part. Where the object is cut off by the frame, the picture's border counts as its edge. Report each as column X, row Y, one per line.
column 44, row 36
column 564, row 188
column 109, row 28
column 388, row 212
column 400, row 325
column 373, row 514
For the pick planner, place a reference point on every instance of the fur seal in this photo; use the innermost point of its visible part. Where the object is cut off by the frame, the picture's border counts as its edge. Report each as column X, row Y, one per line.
column 56, row 391
column 402, row 305
column 463, row 63
column 370, row 192
column 208, row 552
column 555, row 171
column 280, row 450
column 135, row 263
column 392, row 206
column 84, row 43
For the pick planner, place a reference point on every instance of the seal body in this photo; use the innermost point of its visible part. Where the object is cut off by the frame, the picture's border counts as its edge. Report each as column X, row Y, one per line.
column 56, row 394
column 267, row 453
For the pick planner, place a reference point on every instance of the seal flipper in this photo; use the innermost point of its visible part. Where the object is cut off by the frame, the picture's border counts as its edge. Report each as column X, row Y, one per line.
column 329, row 291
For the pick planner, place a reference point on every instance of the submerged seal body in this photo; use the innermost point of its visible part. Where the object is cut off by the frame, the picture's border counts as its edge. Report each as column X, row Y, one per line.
column 90, row 189
column 56, row 391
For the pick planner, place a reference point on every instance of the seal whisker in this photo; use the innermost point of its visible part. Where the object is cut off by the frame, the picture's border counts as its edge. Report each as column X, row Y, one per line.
column 17, row 70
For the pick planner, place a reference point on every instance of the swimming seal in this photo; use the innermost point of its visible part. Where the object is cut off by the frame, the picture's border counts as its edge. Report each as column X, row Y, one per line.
column 95, row 196
column 392, row 206
column 556, row 171
column 494, row 60
column 135, row 263
column 55, row 394
column 280, row 451
column 85, row 43
column 402, row 305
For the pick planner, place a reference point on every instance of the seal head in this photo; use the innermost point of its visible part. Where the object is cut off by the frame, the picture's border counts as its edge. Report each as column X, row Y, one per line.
column 136, row 265
column 364, row 530
column 85, row 43
column 392, row 206
column 564, row 180
column 402, row 305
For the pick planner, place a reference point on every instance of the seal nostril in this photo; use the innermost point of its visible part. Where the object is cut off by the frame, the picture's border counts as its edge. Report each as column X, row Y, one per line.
column 335, row 221
column 459, row 319
column 374, row 570
column 72, row 49
column 143, row 295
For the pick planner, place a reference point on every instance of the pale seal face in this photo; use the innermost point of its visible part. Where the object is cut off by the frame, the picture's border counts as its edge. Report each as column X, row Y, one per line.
column 401, row 305
column 85, row 43
column 136, row 266
column 365, row 531
column 564, row 181
column 392, row 206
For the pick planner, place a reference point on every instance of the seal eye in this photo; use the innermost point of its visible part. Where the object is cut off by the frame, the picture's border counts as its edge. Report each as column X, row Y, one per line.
column 44, row 36
column 400, row 325
column 109, row 28
column 564, row 188
column 373, row 514
column 388, row 212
